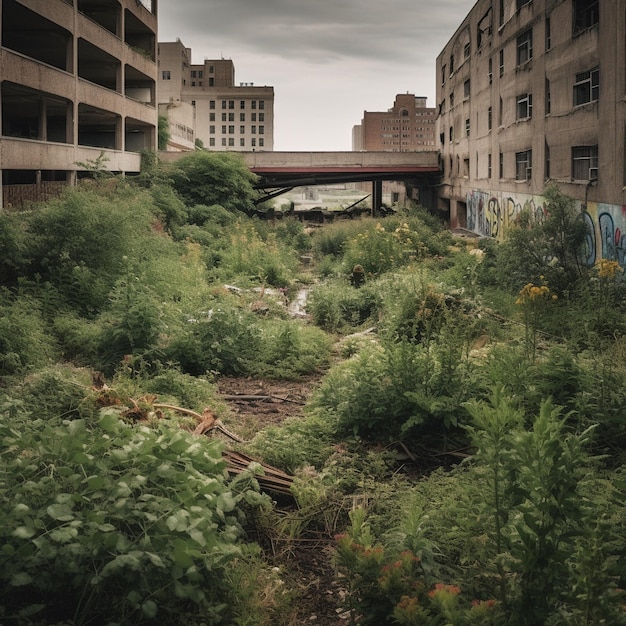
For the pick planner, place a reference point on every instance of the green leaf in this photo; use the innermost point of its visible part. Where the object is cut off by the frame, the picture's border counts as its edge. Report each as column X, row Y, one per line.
column 149, row 609
column 61, row 512
column 20, row 579
column 109, row 422
column 24, row 532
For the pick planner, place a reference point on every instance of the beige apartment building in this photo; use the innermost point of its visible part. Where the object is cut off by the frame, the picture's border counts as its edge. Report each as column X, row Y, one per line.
column 532, row 92
column 78, row 87
column 228, row 117
column 408, row 126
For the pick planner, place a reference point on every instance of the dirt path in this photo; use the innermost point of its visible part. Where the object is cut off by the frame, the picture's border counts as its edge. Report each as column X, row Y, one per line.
column 256, row 404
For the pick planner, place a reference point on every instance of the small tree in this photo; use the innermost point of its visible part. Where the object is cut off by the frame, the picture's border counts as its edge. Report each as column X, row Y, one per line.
column 210, row 178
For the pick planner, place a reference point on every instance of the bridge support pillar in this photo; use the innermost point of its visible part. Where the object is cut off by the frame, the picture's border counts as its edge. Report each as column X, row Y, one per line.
column 377, row 195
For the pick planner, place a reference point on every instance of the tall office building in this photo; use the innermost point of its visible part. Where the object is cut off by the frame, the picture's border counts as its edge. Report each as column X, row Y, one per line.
column 406, row 127
column 78, row 87
column 532, row 93
column 227, row 116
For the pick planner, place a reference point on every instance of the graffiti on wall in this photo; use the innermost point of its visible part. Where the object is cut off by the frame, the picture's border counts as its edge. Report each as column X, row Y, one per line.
column 490, row 214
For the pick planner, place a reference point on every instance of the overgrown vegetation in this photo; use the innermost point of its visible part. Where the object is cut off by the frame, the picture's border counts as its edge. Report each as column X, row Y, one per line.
column 465, row 443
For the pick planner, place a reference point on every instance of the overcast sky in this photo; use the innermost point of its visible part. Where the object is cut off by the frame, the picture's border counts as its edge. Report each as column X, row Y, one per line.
column 328, row 60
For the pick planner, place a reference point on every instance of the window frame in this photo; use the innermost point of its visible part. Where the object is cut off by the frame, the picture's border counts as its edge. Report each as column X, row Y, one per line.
column 584, row 84
column 525, row 47
column 584, row 161
column 523, row 165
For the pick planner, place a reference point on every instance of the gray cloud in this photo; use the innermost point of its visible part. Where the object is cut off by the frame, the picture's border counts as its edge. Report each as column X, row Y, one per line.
column 376, row 48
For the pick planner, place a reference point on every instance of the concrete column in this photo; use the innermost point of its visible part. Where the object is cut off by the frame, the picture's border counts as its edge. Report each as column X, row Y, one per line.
column 43, row 120
column 377, row 195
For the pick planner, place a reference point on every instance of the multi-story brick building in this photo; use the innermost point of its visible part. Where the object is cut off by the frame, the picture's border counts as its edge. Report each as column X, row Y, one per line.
column 532, row 92
column 227, row 116
column 78, row 87
column 408, row 126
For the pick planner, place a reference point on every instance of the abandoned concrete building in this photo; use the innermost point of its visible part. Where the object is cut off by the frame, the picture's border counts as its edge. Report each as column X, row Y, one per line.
column 531, row 92
column 78, row 89
column 228, row 116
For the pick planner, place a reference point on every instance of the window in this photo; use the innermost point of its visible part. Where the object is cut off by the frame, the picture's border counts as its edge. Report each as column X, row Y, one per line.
column 212, row 142
column 224, row 141
column 451, row 99
column 547, row 161
column 253, row 130
column 261, row 142
column 261, row 117
column 523, row 165
column 242, row 104
column 253, row 142
column 548, row 97
column 521, row 3
column 211, row 104
column 489, row 118
column 193, row 73
column 242, row 130
column 223, row 104
column 490, row 73
column 451, row 133
column 211, row 82
column 466, row 50
column 200, row 74
column 467, row 127
column 224, row 117
column 502, row 62
column 586, row 15
column 261, row 130
column 231, row 104
column 261, row 104
column 231, row 117
column 500, row 113
column 587, row 87
column 212, row 130
column 548, row 34
column 501, row 165
column 166, row 75
column 451, row 64
column 231, row 142
column 443, row 74
column 253, row 104
column 224, row 130
column 525, row 47
column 524, row 106
column 466, row 89
column 254, row 117
column 211, row 69
column 489, row 165
column 242, row 143
column 466, row 170
column 242, row 117
column 585, row 162
column 501, row 15
column 231, row 129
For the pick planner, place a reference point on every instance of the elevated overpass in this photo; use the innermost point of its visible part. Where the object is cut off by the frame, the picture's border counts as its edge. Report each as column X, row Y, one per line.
column 282, row 171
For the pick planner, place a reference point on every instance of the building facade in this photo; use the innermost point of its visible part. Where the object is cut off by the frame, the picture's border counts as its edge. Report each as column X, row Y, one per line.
column 408, row 126
column 78, row 87
column 228, row 117
column 533, row 92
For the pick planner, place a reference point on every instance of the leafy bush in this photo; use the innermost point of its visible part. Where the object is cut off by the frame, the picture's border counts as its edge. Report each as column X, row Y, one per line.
column 213, row 178
column 222, row 339
column 336, row 306
column 394, row 390
column 289, row 349
column 24, row 342
column 109, row 523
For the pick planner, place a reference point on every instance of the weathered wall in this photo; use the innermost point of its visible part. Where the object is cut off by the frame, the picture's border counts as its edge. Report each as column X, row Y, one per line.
column 491, row 213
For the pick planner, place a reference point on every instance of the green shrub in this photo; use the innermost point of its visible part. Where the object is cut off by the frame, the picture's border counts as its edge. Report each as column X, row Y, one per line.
column 222, row 339
column 25, row 343
column 107, row 523
column 289, row 349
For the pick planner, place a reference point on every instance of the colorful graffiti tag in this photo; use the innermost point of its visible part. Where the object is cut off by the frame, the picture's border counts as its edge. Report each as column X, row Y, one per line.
column 491, row 214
